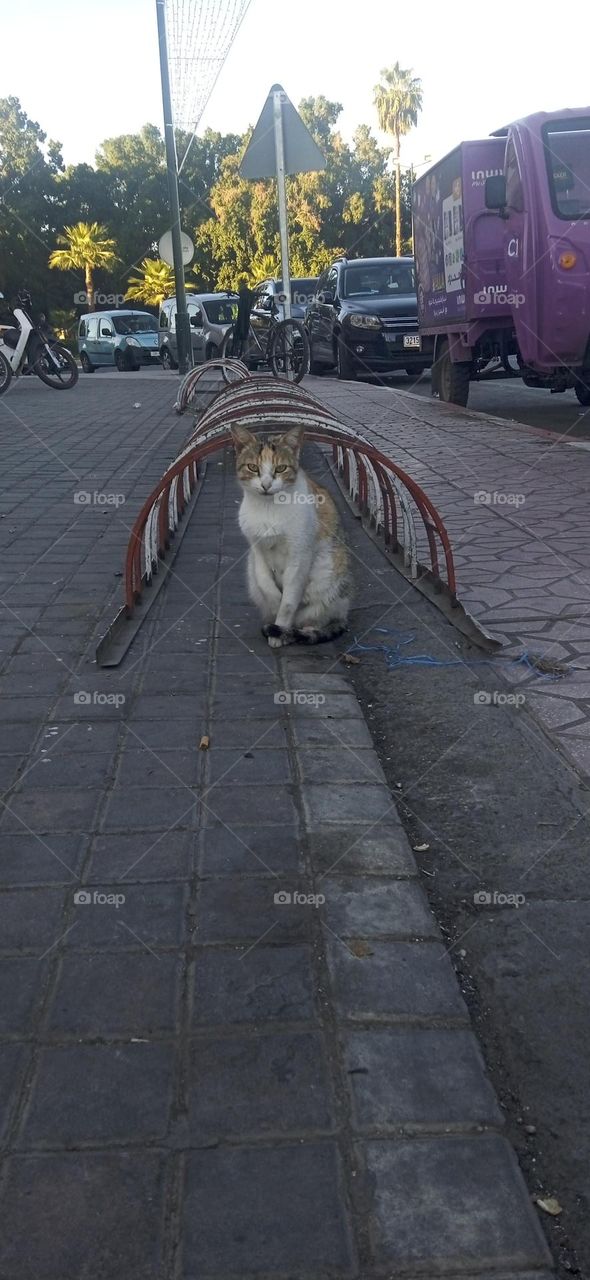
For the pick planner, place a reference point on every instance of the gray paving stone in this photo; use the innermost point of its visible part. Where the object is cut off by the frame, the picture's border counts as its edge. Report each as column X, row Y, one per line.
column 469, row 1202
column 25, row 709
column 153, row 915
column 247, row 706
column 368, row 848
column 235, row 1219
column 249, row 850
column 370, row 907
column 45, row 811
column 95, row 1093
column 247, row 806
column 27, row 859
column 143, row 768
column 22, row 980
column 236, row 908
column 340, row 763
column 346, row 803
column 12, row 1063
column 16, row 738
column 406, row 1076
column 248, row 734
column 30, row 918
column 406, row 980
column 335, row 706
column 83, row 1203
column 163, row 735
column 251, row 767
column 132, row 808
column 252, row 985
column 148, row 855
column 54, row 769
column 115, row 995
column 170, row 706
column 249, row 1086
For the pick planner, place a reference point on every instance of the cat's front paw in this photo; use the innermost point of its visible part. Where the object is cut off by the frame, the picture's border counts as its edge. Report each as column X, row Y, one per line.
column 277, row 636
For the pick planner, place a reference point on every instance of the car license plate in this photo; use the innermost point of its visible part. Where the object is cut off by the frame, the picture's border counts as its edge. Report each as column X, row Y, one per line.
column 412, row 340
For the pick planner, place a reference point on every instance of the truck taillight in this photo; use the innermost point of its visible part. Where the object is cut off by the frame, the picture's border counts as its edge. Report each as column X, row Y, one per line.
column 567, row 261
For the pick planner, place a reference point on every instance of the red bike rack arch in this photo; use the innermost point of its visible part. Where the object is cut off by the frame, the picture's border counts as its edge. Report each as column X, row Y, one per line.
column 394, row 509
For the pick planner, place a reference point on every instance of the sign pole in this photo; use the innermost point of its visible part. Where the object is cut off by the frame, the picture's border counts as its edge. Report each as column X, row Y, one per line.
column 183, row 333
column 277, row 98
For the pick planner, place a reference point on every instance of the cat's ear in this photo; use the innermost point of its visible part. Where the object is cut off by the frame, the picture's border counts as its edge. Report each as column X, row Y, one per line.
column 241, row 437
column 293, row 439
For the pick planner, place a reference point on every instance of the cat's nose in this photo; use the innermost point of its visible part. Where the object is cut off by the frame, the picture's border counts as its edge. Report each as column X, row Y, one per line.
column 266, row 483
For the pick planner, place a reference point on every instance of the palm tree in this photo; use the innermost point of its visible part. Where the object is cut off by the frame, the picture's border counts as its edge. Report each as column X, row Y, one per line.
column 398, row 100
column 153, row 282
column 86, row 247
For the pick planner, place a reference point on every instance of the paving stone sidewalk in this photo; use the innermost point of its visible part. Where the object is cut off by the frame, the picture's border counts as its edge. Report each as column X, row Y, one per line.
column 232, row 1040
column 515, row 502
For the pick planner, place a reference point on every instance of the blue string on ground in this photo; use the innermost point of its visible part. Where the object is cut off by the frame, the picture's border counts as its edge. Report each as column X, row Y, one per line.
column 392, row 651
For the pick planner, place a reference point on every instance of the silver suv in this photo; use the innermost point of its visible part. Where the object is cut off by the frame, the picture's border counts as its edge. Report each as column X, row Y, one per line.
column 210, row 315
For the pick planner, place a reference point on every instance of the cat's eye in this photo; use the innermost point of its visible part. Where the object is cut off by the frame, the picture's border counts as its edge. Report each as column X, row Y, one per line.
column 252, row 467
column 277, row 469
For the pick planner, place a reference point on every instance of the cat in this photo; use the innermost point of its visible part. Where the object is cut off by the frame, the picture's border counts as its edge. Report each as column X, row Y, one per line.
column 298, row 573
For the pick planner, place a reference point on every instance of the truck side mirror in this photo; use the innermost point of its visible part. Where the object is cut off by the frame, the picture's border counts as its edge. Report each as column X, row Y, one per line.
column 495, row 192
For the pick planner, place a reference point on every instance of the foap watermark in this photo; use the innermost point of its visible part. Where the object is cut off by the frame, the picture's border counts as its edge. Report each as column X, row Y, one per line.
column 298, row 697
column 497, row 699
column 484, row 499
column 83, row 498
column 95, row 699
column 498, row 297
column 98, row 898
column 493, row 898
column 286, row 899
column 96, row 299
column 299, row 499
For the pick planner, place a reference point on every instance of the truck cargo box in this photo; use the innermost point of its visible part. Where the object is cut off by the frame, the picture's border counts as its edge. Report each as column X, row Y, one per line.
column 458, row 243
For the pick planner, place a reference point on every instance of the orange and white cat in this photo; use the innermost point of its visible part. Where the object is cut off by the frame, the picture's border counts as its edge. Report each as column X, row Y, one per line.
column 298, row 573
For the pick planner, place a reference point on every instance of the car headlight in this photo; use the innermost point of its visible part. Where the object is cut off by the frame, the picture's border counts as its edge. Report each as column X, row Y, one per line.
column 365, row 322
column 133, row 342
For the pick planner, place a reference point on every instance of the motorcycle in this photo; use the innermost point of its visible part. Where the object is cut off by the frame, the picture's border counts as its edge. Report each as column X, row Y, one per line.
column 29, row 349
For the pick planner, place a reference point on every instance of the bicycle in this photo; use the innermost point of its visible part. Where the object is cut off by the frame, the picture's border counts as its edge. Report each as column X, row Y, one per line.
column 284, row 347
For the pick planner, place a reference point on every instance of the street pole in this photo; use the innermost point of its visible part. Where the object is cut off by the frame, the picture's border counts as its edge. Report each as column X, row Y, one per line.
column 183, row 333
column 277, row 98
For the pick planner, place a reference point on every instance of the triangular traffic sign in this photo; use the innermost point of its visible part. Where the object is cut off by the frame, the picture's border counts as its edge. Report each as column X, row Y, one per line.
column 302, row 154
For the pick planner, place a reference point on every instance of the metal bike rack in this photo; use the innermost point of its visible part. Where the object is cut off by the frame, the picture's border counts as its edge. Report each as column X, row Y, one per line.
column 393, row 508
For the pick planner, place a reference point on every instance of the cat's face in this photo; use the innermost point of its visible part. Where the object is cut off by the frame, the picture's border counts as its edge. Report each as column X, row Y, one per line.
column 267, row 464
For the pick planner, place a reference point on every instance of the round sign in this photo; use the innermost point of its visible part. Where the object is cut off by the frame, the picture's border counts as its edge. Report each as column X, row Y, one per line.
column 186, row 244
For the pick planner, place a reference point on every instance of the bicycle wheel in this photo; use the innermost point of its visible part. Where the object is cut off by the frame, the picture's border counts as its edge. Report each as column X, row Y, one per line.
column 289, row 350
column 5, row 374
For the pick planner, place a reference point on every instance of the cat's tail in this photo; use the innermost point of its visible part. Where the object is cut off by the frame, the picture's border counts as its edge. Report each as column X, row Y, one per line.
column 319, row 635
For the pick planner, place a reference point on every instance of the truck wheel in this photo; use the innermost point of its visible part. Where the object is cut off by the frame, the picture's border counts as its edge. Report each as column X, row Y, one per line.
column 583, row 391
column 452, row 379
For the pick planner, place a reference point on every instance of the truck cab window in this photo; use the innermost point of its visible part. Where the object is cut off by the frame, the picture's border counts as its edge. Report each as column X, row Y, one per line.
column 514, row 191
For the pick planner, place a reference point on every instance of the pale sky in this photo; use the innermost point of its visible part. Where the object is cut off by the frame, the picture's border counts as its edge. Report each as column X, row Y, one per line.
column 90, row 71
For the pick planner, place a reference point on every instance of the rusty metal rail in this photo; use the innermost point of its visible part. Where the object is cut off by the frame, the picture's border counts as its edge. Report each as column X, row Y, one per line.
column 394, row 509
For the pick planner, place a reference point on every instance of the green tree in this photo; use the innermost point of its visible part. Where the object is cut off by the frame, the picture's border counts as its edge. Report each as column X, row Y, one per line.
column 86, row 247
column 153, row 282
column 398, row 99
column 29, row 169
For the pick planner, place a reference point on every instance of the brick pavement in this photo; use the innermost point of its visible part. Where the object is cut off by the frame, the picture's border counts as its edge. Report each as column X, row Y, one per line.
column 202, row 1079
column 523, row 567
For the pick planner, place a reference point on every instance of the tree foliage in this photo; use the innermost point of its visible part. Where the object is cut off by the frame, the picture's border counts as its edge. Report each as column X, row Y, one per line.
column 346, row 208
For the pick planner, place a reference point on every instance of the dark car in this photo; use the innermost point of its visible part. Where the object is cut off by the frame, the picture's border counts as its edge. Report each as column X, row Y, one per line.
column 364, row 319
column 271, row 291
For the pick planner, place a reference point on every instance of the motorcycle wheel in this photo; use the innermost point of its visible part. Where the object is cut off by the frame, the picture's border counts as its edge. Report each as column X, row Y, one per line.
column 61, row 378
column 5, row 374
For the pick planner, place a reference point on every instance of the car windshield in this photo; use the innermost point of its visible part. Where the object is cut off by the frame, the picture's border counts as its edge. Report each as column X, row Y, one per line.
column 382, row 280
column 221, row 310
column 135, row 324
column 567, row 149
column 302, row 291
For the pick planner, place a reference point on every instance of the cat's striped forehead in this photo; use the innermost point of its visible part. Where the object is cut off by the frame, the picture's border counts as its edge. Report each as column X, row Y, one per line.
column 268, row 450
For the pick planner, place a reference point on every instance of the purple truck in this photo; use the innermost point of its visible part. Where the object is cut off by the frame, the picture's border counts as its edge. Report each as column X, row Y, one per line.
column 502, row 249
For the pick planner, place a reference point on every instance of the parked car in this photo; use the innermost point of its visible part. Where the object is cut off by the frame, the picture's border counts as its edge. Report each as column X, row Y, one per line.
column 210, row 315
column 302, row 292
column 364, row 319
column 126, row 339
